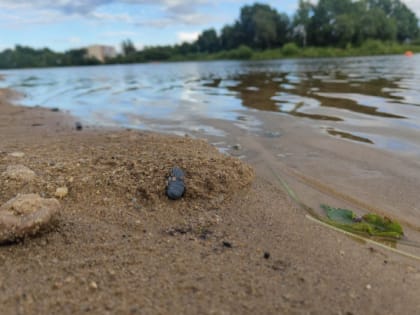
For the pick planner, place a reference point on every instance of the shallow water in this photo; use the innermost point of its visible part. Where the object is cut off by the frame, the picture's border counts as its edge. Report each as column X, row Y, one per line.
column 363, row 102
column 371, row 100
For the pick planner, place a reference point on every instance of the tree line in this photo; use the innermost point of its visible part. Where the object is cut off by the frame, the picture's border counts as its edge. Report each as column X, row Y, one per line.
column 259, row 27
column 327, row 23
column 26, row 57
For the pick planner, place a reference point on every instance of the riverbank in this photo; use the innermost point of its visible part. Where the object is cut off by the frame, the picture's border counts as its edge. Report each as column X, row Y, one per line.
column 158, row 54
column 291, row 50
column 233, row 244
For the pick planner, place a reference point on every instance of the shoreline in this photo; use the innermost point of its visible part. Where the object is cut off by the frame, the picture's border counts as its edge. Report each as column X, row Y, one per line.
column 265, row 55
column 230, row 246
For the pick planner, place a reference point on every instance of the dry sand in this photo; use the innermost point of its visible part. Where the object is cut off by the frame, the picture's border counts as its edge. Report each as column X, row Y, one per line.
column 235, row 244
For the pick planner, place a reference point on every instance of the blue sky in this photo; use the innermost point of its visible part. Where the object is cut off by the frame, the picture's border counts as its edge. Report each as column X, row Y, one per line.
column 65, row 24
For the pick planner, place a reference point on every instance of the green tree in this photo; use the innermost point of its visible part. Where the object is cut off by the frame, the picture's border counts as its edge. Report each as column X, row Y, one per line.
column 262, row 26
column 185, row 48
column 208, row 41
column 374, row 24
column 406, row 21
column 128, row 47
column 283, row 29
column 301, row 21
column 156, row 53
column 345, row 29
column 323, row 25
column 232, row 36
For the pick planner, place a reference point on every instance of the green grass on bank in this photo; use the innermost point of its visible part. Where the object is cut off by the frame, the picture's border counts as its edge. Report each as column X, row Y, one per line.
column 291, row 50
column 26, row 57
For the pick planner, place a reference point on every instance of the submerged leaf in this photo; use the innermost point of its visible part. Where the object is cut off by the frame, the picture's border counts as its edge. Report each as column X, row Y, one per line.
column 339, row 215
column 371, row 224
column 383, row 225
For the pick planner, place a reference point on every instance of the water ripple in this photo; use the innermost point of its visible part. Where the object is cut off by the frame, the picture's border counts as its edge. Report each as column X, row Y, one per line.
column 346, row 94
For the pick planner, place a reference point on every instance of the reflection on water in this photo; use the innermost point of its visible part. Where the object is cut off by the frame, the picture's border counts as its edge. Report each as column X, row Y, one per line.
column 347, row 135
column 343, row 95
column 267, row 92
column 282, row 92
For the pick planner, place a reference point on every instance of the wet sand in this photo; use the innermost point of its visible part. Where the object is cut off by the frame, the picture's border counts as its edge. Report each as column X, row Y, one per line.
column 235, row 244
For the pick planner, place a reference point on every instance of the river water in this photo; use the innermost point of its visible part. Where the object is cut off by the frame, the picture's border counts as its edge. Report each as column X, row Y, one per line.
column 365, row 99
column 342, row 131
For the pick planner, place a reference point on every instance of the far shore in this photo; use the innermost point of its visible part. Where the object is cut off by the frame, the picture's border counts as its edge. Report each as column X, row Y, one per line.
column 244, row 53
column 234, row 244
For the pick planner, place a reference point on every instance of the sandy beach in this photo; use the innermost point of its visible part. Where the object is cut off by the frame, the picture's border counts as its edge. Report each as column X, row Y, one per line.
column 236, row 243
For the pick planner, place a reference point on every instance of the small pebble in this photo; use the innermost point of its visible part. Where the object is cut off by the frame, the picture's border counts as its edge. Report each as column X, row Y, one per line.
column 227, row 244
column 17, row 154
column 69, row 279
column 266, row 255
column 368, row 287
column 176, row 187
column 272, row 134
column 25, row 215
column 19, row 173
column 61, row 192
column 57, row 285
column 93, row 285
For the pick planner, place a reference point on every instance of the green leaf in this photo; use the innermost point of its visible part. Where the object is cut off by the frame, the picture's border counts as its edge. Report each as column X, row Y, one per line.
column 383, row 226
column 371, row 224
column 338, row 215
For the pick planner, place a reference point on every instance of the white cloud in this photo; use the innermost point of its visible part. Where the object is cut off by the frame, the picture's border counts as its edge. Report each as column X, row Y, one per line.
column 192, row 19
column 414, row 5
column 171, row 19
column 25, row 18
column 125, row 18
column 172, row 11
column 85, row 7
column 187, row 36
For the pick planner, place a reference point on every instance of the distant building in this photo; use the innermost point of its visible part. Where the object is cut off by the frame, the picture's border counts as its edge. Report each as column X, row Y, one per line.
column 101, row 52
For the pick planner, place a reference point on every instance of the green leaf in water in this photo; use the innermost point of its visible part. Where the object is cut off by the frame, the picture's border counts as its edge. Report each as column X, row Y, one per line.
column 338, row 215
column 383, row 226
column 371, row 224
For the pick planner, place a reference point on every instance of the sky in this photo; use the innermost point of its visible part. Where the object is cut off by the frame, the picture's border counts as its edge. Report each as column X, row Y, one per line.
column 66, row 24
